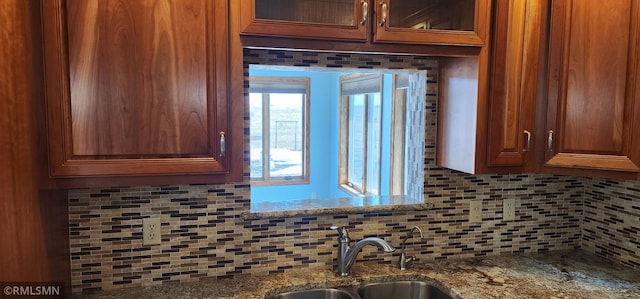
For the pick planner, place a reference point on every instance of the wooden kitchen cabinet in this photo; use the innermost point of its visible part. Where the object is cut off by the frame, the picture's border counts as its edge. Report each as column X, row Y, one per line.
column 593, row 108
column 451, row 22
column 486, row 105
column 563, row 96
column 334, row 19
column 439, row 22
column 138, row 89
column 513, row 88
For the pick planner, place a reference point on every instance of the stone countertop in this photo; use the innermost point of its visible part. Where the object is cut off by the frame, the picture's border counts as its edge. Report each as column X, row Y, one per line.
column 332, row 206
column 568, row 274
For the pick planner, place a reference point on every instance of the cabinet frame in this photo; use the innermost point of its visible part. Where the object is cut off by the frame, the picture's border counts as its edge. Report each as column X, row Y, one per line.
column 62, row 162
column 477, row 37
column 250, row 25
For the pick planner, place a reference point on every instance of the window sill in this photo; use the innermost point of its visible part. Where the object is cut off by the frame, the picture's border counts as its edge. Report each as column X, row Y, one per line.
column 314, row 207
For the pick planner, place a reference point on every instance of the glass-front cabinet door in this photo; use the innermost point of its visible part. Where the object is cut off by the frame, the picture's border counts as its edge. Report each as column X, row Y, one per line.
column 449, row 22
column 325, row 19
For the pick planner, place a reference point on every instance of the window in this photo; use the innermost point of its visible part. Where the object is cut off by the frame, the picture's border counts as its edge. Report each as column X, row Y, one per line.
column 360, row 134
column 387, row 105
column 279, row 144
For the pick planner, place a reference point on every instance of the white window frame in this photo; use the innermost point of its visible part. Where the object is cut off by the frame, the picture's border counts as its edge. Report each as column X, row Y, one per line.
column 266, row 86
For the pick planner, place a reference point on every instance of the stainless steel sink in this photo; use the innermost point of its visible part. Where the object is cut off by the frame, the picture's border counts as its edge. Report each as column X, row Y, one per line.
column 315, row 294
column 384, row 290
column 402, row 290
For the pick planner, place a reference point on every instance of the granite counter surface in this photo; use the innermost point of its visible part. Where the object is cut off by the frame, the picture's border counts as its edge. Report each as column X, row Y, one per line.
column 332, row 206
column 573, row 274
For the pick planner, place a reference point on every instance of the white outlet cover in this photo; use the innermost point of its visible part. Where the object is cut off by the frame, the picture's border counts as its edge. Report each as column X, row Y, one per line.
column 151, row 232
column 509, row 209
column 475, row 211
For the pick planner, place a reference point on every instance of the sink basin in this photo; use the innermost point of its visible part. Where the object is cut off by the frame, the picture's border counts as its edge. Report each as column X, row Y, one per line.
column 402, row 290
column 384, row 290
column 315, row 294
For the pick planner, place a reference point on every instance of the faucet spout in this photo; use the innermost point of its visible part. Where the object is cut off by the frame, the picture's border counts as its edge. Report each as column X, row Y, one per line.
column 380, row 243
column 347, row 255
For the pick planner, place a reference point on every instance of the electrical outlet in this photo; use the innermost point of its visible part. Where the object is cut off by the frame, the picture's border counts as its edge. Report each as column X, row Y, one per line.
column 475, row 211
column 509, row 209
column 151, row 231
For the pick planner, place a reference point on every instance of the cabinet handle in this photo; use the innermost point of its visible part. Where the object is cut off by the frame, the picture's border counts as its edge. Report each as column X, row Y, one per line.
column 550, row 141
column 365, row 11
column 222, row 144
column 527, row 146
column 384, row 14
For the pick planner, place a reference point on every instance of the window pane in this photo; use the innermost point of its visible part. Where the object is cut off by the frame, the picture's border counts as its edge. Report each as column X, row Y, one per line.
column 286, row 119
column 374, row 131
column 433, row 14
column 255, row 137
column 339, row 12
column 356, row 152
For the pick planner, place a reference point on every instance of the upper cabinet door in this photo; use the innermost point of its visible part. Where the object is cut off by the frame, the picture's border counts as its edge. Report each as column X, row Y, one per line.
column 447, row 22
column 327, row 19
column 515, row 58
column 136, row 87
column 593, row 116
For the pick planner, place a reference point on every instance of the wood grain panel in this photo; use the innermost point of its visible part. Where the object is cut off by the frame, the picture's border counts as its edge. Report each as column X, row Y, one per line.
column 597, row 69
column 138, row 74
column 506, row 83
column 515, row 59
column 138, row 88
column 34, row 244
column 593, row 102
column 513, row 100
column 18, row 199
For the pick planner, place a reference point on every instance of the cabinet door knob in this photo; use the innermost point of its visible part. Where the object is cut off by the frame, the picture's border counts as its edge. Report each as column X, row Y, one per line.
column 222, row 144
column 383, row 5
column 527, row 136
column 365, row 11
column 550, row 141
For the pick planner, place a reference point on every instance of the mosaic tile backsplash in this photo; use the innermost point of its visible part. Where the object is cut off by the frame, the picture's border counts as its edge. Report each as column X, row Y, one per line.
column 611, row 221
column 203, row 234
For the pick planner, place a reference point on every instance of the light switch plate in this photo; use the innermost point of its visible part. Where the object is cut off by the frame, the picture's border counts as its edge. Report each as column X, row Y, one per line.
column 151, row 231
column 509, row 209
column 475, row 211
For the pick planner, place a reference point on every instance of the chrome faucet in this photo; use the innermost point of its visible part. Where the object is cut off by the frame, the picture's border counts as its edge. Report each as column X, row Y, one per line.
column 404, row 260
column 347, row 255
